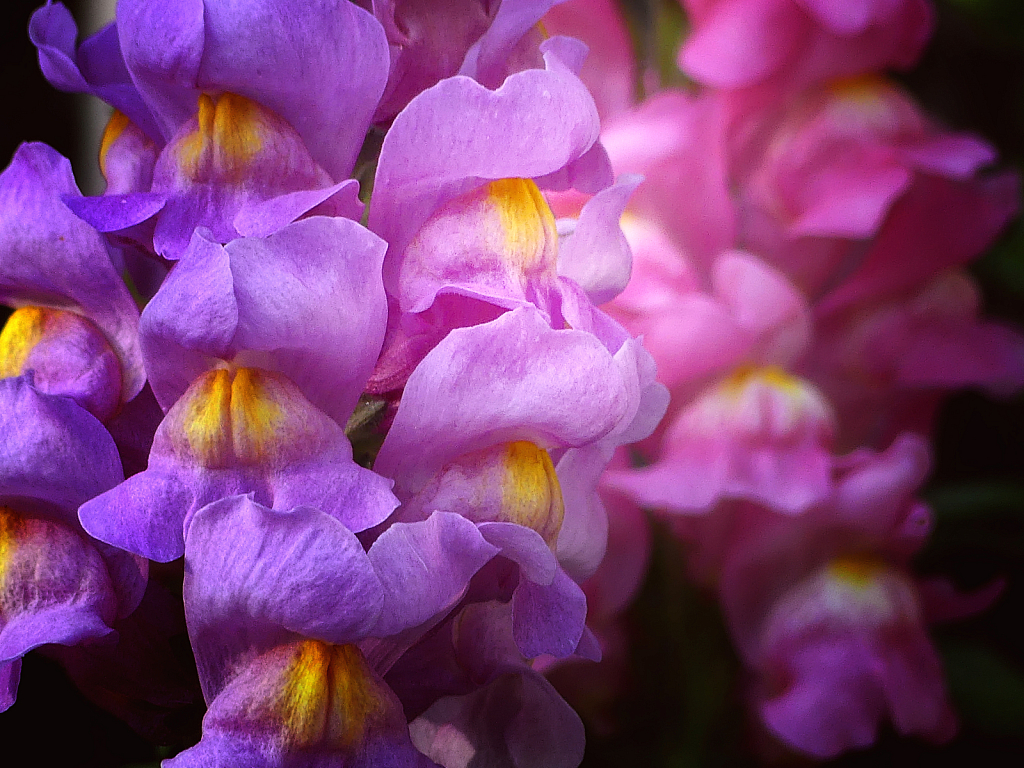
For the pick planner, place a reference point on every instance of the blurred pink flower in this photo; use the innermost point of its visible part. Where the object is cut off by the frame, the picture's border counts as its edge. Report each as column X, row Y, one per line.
column 823, row 610
column 783, row 45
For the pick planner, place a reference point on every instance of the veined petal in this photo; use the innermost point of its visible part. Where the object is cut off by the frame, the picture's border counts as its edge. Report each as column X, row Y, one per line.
column 308, row 704
column 236, row 431
column 54, row 587
column 48, row 573
column 233, row 155
column 497, row 243
column 254, row 575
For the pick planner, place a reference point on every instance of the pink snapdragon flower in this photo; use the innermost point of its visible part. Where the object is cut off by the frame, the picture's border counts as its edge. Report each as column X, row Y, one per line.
column 886, row 364
column 784, row 45
column 865, row 206
column 853, row 189
column 824, row 610
column 745, row 428
column 678, row 143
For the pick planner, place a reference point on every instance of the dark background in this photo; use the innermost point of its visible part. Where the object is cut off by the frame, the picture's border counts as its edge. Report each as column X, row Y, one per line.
column 681, row 708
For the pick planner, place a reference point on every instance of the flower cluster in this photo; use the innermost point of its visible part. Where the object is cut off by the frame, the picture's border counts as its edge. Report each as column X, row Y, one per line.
column 329, row 342
column 443, row 326
column 800, row 243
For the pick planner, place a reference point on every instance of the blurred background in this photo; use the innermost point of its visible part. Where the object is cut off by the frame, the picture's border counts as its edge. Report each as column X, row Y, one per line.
column 681, row 707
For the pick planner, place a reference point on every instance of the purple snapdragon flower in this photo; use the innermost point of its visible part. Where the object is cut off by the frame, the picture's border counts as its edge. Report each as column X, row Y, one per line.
column 486, row 423
column 56, row 584
column 260, row 350
column 470, row 231
column 254, row 129
column 294, row 625
column 76, row 324
column 277, row 603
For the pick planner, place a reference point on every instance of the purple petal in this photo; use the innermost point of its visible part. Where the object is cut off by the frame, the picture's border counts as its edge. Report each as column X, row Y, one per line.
column 517, row 721
column 54, row 451
column 193, row 316
column 832, row 704
column 308, row 298
column 511, row 379
column 597, row 255
column 163, row 47
column 144, row 515
column 443, row 144
column 425, row 568
column 483, row 641
column 306, row 705
column 332, row 482
column 568, row 50
column 497, row 243
column 525, row 547
column 251, row 571
column 10, row 675
column 487, row 61
column 548, row 619
column 129, row 576
column 322, row 67
column 589, row 647
column 56, row 586
column 67, row 355
column 589, row 173
column 266, row 218
column 583, row 538
column 233, row 156
column 234, row 432
column 115, row 213
column 97, row 68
